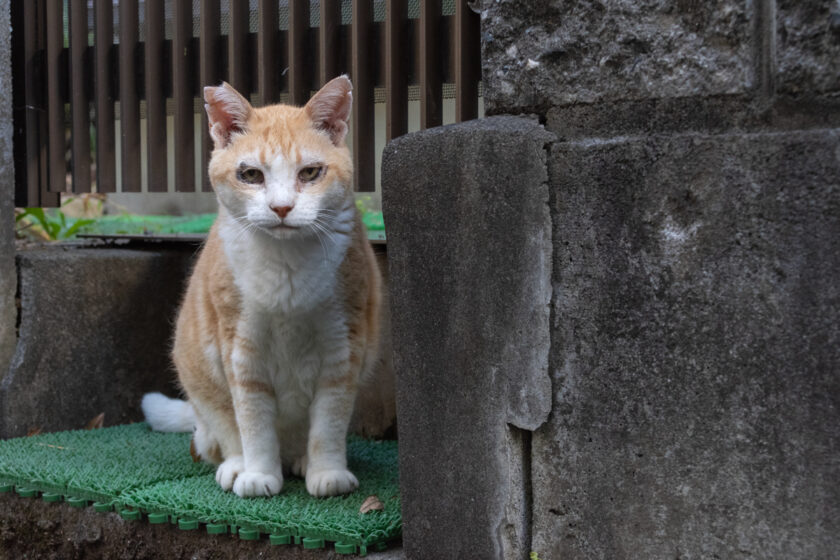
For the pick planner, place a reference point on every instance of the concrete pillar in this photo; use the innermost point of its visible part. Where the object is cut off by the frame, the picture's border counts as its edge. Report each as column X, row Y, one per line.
column 469, row 252
column 8, row 277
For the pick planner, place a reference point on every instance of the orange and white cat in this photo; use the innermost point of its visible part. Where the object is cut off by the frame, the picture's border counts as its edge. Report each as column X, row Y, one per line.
column 280, row 319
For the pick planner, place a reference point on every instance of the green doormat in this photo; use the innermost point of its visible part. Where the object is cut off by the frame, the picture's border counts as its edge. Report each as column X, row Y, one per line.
column 142, row 473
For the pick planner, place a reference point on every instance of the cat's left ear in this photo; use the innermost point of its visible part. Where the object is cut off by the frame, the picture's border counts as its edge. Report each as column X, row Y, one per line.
column 330, row 108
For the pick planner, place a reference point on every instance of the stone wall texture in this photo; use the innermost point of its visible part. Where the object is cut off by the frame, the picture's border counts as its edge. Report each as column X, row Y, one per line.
column 560, row 52
column 696, row 350
column 8, row 275
column 808, row 46
column 737, row 54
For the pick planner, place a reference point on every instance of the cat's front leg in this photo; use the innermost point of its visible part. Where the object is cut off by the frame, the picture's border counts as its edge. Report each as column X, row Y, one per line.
column 329, row 417
column 255, row 405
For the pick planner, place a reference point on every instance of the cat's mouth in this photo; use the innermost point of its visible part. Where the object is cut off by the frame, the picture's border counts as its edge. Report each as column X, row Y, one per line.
column 283, row 227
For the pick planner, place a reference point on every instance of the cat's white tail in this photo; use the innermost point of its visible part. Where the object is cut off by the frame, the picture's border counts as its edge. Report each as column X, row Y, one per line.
column 168, row 415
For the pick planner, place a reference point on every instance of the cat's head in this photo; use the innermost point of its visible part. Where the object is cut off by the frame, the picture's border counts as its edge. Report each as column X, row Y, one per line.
column 285, row 170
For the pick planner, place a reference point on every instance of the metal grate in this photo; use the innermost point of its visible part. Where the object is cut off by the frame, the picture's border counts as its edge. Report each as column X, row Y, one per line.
column 131, row 73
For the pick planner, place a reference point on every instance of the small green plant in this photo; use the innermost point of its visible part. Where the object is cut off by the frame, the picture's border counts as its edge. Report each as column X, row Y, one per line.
column 533, row 556
column 51, row 225
column 364, row 203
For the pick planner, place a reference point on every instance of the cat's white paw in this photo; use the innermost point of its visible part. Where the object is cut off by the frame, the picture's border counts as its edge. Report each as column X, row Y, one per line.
column 299, row 466
column 254, row 483
column 330, row 482
column 228, row 471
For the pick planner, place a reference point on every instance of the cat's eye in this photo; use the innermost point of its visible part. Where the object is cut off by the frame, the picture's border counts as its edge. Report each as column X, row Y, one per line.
column 250, row 175
column 309, row 174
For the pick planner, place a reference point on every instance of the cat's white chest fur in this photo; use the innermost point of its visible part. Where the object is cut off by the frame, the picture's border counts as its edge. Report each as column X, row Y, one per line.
column 296, row 353
column 292, row 310
column 288, row 276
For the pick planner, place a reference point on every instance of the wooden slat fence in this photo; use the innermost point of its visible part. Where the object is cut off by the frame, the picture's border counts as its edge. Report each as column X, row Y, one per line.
column 91, row 75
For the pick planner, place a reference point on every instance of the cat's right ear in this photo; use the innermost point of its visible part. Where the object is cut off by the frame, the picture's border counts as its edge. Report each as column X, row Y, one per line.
column 227, row 112
column 329, row 109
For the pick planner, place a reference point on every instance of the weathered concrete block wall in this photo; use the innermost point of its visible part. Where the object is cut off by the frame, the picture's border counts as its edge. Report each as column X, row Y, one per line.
column 540, row 55
column 607, row 67
column 696, row 350
column 693, row 177
column 695, row 344
column 94, row 335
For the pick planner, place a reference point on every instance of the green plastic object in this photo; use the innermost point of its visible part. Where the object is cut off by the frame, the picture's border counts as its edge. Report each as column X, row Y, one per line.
column 280, row 539
column 103, row 507
column 217, row 528
column 134, row 224
column 313, row 543
column 249, row 534
column 122, row 224
column 345, row 548
column 24, row 492
column 188, row 524
column 131, row 514
column 158, row 518
column 51, row 497
column 139, row 469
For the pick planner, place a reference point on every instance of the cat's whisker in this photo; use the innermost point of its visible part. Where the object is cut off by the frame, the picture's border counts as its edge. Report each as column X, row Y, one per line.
column 322, row 226
column 244, row 227
column 323, row 246
column 318, row 228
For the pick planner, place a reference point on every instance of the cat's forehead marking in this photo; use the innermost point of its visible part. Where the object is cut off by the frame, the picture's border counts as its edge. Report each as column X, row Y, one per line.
column 308, row 157
column 300, row 157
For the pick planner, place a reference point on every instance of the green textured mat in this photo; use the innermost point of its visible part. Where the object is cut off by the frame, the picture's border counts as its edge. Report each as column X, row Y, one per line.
column 139, row 472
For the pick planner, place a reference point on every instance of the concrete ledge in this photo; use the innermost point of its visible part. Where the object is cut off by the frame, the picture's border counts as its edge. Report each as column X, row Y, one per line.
column 94, row 335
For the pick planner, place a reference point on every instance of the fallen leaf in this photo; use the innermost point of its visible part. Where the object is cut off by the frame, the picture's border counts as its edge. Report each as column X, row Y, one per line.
column 33, row 431
column 96, row 422
column 371, row 503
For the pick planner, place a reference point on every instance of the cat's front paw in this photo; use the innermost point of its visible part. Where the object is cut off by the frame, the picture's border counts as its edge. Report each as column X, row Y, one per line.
column 228, row 471
column 254, row 483
column 330, row 482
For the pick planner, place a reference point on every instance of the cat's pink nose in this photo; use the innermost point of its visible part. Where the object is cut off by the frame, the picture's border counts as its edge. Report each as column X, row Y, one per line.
column 281, row 211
